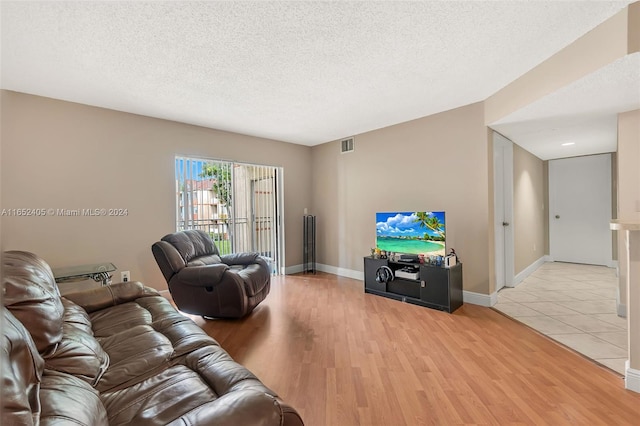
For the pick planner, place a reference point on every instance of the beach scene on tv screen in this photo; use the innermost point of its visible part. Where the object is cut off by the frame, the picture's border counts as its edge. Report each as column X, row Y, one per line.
column 411, row 232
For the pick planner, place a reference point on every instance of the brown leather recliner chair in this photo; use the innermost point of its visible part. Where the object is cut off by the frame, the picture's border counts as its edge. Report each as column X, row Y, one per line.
column 203, row 282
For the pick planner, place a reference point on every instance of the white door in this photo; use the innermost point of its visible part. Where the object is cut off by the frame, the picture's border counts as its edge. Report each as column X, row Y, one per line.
column 580, row 209
column 503, row 209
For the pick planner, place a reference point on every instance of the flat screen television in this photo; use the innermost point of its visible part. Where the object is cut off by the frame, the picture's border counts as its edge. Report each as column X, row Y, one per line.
column 411, row 233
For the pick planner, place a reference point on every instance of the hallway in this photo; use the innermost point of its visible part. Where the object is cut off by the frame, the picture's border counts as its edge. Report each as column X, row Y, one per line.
column 574, row 305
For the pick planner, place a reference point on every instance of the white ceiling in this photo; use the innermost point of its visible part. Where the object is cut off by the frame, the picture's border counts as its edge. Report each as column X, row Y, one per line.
column 300, row 72
column 583, row 113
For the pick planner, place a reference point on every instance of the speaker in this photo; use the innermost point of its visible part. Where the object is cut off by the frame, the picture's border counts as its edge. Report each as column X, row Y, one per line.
column 384, row 274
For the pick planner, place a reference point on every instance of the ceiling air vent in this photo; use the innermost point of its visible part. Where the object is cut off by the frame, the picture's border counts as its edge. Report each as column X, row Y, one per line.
column 347, row 145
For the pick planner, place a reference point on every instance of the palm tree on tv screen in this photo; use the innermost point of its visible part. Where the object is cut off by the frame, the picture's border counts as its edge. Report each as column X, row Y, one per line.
column 427, row 220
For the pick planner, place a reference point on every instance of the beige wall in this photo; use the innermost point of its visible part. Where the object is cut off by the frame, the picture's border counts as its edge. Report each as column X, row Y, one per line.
column 628, row 159
column 528, row 208
column 438, row 163
column 633, row 26
column 628, row 209
column 58, row 154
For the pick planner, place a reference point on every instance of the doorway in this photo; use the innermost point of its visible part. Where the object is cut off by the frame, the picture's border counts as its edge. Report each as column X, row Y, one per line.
column 580, row 210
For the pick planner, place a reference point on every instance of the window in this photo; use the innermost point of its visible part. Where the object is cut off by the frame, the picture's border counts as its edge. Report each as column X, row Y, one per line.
column 239, row 205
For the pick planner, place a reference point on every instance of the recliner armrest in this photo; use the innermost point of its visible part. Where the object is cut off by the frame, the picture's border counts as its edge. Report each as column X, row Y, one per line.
column 201, row 276
column 239, row 258
column 168, row 258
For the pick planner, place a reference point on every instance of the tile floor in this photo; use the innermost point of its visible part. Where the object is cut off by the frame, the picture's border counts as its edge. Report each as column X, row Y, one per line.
column 574, row 305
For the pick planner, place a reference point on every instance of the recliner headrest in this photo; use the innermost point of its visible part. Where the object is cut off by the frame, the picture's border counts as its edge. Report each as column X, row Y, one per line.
column 192, row 243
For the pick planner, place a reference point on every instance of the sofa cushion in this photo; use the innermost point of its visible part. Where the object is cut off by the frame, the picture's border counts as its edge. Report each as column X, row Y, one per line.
column 155, row 312
column 118, row 318
column 69, row 400
column 21, row 366
column 78, row 353
column 141, row 337
column 159, row 399
column 134, row 354
column 31, row 294
column 183, row 395
column 185, row 335
column 211, row 259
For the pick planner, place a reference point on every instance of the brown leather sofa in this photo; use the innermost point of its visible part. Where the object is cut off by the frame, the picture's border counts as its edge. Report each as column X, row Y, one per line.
column 116, row 355
column 203, row 282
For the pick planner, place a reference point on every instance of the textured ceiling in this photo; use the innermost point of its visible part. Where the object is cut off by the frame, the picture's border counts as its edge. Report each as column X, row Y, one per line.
column 300, row 72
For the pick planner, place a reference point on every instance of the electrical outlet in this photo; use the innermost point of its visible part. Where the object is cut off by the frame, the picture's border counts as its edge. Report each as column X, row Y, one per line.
column 125, row 276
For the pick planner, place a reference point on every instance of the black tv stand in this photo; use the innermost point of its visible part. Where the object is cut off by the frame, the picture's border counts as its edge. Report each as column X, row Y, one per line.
column 436, row 287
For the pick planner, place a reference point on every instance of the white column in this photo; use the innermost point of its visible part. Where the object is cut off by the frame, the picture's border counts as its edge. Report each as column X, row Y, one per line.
column 631, row 233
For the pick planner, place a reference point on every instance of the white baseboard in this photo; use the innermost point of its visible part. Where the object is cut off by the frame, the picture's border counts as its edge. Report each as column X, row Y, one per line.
column 295, row 269
column 486, row 300
column 610, row 264
column 621, row 310
column 342, row 272
column 521, row 276
column 632, row 378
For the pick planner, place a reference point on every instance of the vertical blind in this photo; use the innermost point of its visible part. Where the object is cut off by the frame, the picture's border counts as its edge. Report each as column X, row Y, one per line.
column 238, row 204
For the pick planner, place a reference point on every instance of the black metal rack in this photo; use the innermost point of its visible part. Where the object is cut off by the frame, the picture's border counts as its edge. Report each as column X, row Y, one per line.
column 309, row 243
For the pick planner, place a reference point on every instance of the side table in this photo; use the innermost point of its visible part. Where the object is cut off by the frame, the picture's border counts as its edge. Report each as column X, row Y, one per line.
column 99, row 272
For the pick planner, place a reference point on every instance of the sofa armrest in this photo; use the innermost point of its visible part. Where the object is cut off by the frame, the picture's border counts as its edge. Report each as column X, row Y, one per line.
column 110, row 295
column 243, row 407
column 239, row 258
column 200, row 276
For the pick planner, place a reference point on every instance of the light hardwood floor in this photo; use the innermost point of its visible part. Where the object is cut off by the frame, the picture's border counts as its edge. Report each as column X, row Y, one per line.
column 342, row 357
